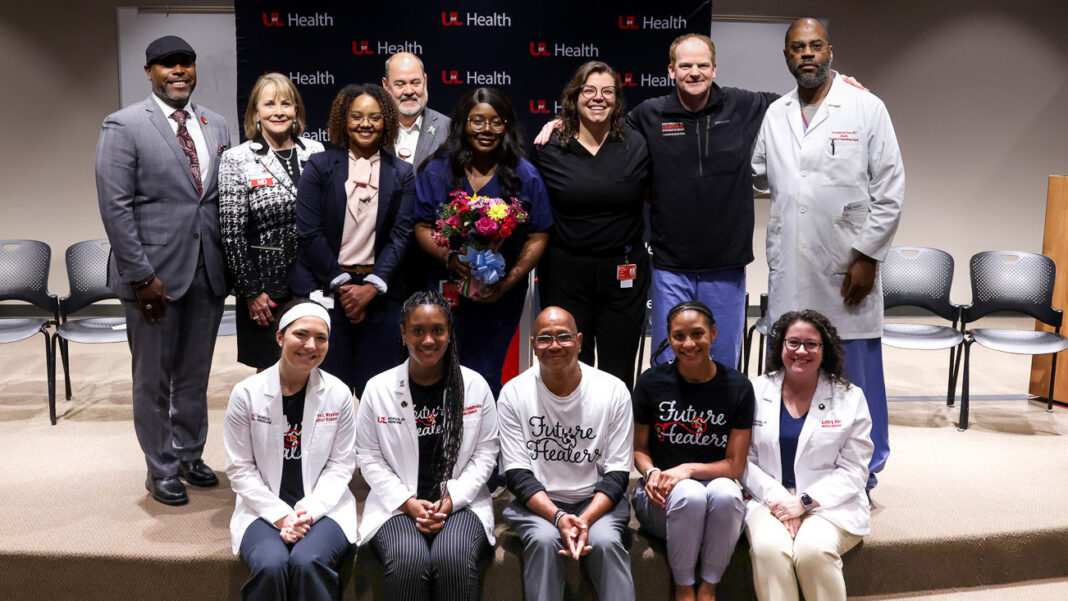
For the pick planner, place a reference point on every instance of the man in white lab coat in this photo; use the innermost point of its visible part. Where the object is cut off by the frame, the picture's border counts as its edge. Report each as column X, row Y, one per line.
column 829, row 155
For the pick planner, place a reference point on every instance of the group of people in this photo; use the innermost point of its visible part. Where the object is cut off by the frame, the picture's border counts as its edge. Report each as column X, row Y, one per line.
column 340, row 236
column 784, row 458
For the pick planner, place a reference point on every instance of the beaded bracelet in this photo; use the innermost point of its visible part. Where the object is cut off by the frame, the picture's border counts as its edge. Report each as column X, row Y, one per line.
column 139, row 284
column 559, row 515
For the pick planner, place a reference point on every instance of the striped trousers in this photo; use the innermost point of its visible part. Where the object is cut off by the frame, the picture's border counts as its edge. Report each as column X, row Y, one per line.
column 439, row 567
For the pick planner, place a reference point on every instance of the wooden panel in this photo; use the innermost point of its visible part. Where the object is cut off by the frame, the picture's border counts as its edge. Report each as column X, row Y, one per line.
column 1055, row 246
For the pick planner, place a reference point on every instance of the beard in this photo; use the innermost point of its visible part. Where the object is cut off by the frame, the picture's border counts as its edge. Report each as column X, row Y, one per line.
column 410, row 111
column 175, row 99
column 812, row 80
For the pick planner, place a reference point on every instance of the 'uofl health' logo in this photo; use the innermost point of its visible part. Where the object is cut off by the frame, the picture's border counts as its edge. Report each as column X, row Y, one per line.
column 362, row 47
column 272, row 20
column 627, row 22
column 539, row 107
column 539, row 49
column 626, row 80
column 451, row 77
column 451, row 19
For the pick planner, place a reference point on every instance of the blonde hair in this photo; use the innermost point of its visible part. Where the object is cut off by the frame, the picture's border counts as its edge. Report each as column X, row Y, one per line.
column 689, row 36
column 285, row 87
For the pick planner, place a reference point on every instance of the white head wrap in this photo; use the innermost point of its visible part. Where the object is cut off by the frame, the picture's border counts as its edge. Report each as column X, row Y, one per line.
column 311, row 308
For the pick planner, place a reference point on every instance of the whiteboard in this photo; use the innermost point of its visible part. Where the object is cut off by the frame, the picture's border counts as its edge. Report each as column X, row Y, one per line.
column 213, row 36
column 749, row 52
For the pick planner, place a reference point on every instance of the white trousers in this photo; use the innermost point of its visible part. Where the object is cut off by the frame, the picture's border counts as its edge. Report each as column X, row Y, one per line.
column 813, row 559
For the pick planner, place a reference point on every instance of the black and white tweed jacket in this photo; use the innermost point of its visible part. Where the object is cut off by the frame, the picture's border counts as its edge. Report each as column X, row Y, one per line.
column 256, row 216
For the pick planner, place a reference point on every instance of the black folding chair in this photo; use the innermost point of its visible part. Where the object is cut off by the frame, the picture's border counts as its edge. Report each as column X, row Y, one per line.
column 24, row 268
column 87, row 264
column 1015, row 282
column 921, row 277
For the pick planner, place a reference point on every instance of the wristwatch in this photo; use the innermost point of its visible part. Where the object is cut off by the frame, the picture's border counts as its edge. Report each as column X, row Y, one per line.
column 806, row 501
column 649, row 471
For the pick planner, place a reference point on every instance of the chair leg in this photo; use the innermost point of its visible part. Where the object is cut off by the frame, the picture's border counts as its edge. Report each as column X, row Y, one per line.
column 760, row 356
column 962, row 425
column 50, row 366
column 65, row 352
column 748, row 350
column 956, row 370
column 1052, row 380
column 951, row 393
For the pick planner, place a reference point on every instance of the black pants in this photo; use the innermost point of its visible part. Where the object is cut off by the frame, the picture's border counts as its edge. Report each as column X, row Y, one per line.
column 304, row 571
column 610, row 318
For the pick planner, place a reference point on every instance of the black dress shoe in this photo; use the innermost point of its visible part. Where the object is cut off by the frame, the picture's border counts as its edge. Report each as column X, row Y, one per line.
column 169, row 490
column 197, row 473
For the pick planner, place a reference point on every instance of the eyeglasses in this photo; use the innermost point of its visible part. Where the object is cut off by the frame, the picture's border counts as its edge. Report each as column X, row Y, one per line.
column 810, row 345
column 591, row 91
column 358, row 117
column 564, row 339
column 478, row 123
column 798, row 47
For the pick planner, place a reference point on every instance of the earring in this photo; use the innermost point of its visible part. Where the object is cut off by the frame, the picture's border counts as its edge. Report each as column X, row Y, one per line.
column 257, row 125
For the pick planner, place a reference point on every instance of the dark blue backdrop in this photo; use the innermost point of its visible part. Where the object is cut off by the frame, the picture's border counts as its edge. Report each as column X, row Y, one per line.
column 529, row 50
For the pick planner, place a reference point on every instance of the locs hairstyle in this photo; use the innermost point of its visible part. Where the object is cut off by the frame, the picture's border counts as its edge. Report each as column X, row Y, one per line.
column 569, row 115
column 461, row 153
column 833, row 363
column 339, row 114
column 679, row 308
column 453, row 419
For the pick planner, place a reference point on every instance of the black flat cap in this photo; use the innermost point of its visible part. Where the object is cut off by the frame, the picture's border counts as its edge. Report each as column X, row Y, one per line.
column 166, row 46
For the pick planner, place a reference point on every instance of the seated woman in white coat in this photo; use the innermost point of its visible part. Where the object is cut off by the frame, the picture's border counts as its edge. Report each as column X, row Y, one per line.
column 289, row 438
column 808, row 464
column 426, row 439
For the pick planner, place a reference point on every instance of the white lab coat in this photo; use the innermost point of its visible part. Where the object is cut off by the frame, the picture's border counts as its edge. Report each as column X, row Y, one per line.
column 253, row 437
column 829, row 200
column 833, row 452
column 387, row 448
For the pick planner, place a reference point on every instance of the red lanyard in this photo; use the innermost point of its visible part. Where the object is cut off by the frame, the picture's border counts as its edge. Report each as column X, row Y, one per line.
column 803, row 120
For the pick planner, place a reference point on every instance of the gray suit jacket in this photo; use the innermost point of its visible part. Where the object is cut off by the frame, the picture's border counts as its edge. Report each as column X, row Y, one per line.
column 433, row 134
column 154, row 219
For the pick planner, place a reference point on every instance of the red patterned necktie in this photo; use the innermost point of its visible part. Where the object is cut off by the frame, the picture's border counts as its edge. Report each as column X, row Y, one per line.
column 186, row 142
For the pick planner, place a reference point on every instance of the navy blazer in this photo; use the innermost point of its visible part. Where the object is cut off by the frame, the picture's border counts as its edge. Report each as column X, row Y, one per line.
column 320, row 212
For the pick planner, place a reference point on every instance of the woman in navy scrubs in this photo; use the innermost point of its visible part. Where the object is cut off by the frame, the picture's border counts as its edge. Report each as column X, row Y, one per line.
column 483, row 155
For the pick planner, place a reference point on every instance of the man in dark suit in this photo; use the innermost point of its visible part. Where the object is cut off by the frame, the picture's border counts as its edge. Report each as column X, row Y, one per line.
column 157, row 184
column 422, row 129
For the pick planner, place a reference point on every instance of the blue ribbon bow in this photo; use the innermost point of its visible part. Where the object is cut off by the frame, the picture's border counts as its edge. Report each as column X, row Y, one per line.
column 486, row 265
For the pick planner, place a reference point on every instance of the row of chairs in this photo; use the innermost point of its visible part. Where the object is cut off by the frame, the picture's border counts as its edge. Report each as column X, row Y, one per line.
column 1003, row 282
column 24, row 268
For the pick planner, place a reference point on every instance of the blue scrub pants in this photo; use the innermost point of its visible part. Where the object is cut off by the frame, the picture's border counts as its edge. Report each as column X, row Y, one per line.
column 722, row 291
column 864, row 368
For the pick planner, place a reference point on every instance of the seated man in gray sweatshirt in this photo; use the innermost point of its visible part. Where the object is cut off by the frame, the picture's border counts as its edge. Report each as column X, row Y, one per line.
column 566, row 433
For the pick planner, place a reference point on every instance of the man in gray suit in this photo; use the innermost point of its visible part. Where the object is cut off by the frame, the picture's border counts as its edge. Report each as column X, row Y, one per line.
column 422, row 129
column 157, row 166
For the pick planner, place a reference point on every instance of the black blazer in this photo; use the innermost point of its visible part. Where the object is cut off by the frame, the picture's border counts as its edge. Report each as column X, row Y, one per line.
column 321, row 205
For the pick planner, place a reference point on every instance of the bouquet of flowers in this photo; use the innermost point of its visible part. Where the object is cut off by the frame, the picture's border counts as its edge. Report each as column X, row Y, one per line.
column 476, row 226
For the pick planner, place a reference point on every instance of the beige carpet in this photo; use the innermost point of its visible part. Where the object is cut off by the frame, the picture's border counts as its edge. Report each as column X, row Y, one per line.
column 953, row 509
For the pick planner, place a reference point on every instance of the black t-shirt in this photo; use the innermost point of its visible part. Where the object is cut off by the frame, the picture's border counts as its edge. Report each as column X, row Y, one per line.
column 690, row 423
column 291, row 488
column 428, row 403
column 597, row 200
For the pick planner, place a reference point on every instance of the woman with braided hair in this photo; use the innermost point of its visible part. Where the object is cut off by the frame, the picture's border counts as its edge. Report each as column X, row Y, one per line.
column 426, row 439
column 692, row 421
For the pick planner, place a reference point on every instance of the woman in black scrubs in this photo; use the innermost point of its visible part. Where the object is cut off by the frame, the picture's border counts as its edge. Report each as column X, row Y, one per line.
column 596, row 266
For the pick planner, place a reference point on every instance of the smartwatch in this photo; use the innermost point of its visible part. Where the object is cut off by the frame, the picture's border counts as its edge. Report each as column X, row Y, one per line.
column 649, row 471
column 806, row 501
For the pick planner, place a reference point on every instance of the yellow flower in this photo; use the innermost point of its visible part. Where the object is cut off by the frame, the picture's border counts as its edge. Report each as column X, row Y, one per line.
column 497, row 212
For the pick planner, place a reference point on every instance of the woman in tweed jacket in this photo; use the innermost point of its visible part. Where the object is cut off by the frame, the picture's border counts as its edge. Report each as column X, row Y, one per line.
column 257, row 193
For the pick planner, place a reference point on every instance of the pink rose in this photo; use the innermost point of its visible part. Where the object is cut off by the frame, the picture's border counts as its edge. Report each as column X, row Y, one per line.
column 453, row 222
column 486, row 226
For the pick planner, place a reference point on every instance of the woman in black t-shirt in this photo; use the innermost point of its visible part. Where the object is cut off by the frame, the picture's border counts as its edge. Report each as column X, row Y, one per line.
column 595, row 168
column 692, row 421
column 426, row 439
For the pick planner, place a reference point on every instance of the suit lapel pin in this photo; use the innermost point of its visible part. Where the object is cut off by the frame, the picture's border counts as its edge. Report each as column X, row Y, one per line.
column 822, row 406
column 430, row 129
column 203, row 120
column 404, row 403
